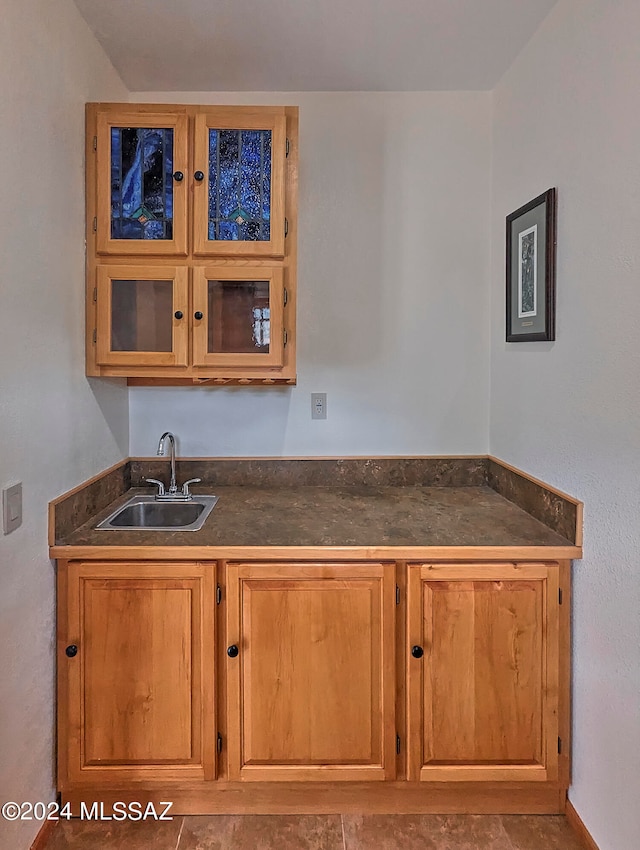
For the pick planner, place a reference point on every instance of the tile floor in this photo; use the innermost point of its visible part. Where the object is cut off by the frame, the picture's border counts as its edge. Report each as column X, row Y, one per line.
column 322, row 832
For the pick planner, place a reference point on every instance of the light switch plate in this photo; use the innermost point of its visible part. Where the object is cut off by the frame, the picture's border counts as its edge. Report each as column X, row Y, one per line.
column 12, row 508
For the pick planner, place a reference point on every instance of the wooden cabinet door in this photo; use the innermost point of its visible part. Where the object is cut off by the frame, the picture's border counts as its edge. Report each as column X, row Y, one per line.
column 142, row 182
column 142, row 316
column 239, row 190
column 136, row 665
column 483, row 698
column 310, row 672
column 238, row 316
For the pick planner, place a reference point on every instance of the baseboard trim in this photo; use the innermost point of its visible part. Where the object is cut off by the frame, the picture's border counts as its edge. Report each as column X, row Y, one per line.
column 575, row 822
column 293, row 798
column 44, row 836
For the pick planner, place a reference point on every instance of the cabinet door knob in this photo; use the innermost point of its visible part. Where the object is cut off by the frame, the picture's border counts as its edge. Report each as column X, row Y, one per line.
column 178, row 314
column 71, row 650
column 232, row 651
column 199, row 175
column 417, row 651
column 198, row 314
column 178, row 176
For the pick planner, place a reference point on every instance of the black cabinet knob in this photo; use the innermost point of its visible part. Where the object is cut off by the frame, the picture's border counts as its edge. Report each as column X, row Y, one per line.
column 232, row 651
column 197, row 314
column 72, row 650
column 199, row 175
column 178, row 176
column 417, row 651
column 178, row 314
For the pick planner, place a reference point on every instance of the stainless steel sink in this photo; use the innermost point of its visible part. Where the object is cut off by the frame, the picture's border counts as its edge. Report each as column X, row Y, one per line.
column 145, row 512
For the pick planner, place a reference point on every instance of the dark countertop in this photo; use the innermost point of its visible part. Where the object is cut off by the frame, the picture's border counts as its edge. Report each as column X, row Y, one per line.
column 335, row 516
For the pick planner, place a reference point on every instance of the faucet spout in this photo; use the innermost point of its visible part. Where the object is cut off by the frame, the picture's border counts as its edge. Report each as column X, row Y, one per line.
column 173, row 487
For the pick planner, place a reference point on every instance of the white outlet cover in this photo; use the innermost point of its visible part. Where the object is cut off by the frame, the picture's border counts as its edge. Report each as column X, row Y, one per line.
column 318, row 405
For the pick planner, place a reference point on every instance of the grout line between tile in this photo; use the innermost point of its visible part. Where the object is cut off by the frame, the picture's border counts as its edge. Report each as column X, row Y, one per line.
column 180, row 833
column 344, row 840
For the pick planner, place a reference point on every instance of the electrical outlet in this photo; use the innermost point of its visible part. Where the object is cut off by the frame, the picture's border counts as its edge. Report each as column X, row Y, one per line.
column 318, row 405
column 12, row 508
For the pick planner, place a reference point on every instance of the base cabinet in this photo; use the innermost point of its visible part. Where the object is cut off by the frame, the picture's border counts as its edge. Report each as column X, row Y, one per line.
column 383, row 686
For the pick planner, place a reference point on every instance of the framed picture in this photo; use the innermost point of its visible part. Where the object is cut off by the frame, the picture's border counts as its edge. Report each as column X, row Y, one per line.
column 531, row 270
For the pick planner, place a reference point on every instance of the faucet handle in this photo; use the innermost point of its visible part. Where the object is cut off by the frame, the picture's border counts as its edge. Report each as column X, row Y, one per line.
column 159, row 483
column 185, row 486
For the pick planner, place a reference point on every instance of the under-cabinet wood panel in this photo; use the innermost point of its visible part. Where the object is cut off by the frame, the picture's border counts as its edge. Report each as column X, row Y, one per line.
column 311, row 690
column 484, row 697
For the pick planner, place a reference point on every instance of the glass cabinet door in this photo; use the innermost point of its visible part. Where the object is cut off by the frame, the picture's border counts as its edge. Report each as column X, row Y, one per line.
column 141, row 183
column 239, row 186
column 142, row 316
column 238, row 316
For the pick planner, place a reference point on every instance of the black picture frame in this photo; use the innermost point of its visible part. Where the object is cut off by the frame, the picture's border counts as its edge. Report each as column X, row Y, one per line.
column 531, row 270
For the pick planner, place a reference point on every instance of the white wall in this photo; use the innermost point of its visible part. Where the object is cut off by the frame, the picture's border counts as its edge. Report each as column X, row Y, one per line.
column 393, row 314
column 56, row 428
column 394, row 325
column 567, row 115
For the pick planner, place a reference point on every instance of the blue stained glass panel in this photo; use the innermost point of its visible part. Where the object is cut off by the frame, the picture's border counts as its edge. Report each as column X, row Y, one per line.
column 239, row 185
column 229, row 172
column 214, row 214
column 141, row 183
column 228, row 230
column 250, row 173
column 250, row 231
column 266, row 180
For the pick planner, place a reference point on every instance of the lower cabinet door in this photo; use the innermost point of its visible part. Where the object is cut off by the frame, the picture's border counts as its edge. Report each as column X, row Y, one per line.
column 482, row 662
column 136, row 691
column 310, row 672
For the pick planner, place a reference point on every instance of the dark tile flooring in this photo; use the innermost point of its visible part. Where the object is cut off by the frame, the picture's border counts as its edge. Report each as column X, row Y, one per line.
column 322, row 832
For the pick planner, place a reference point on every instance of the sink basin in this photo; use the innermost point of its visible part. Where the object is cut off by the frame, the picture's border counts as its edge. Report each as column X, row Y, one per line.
column 144, row 512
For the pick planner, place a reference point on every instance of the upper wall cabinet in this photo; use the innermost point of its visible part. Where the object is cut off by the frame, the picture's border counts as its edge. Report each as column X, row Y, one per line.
column 191, row 243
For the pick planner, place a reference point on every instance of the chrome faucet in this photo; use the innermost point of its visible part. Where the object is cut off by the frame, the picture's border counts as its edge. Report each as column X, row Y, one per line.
column 172, row 493
column 173, row 487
